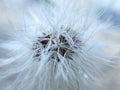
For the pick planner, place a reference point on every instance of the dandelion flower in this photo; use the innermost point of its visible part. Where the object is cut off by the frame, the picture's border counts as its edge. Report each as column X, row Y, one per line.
column 53, row 51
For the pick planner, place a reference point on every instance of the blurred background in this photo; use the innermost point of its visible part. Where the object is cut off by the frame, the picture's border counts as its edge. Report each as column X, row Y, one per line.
column 110, row 11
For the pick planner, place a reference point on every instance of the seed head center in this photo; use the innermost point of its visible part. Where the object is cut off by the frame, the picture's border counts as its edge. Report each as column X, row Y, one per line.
column 57, row 46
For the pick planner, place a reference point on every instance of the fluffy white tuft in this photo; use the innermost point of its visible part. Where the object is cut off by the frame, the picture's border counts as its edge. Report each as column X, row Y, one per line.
column 55, row 50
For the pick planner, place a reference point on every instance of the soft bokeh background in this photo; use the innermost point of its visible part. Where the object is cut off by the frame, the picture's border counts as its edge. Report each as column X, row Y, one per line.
column 111, row 37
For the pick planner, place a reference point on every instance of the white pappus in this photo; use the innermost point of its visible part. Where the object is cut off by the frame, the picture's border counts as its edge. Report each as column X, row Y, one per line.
column 55, row 50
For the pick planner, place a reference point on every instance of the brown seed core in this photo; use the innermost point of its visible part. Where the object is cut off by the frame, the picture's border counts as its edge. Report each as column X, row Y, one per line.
column 60, row 49
column 45, row 42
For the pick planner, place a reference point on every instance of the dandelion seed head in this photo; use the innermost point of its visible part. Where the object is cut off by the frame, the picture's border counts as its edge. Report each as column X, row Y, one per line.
column 53, row 50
